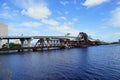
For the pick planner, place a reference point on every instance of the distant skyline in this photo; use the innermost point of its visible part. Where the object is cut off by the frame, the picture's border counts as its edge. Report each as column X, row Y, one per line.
column 100, row 19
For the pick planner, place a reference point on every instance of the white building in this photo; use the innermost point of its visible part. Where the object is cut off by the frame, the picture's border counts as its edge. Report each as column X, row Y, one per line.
column 3, row 32
column 3, row 29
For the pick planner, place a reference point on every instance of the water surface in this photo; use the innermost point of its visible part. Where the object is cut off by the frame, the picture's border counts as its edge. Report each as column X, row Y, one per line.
column 92, row 63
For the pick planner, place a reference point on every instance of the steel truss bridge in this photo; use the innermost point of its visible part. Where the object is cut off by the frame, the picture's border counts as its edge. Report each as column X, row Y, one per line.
column 48, row 42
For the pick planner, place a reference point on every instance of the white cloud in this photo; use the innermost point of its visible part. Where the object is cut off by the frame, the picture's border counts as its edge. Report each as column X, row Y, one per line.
column 35, row 32
column 6, row 12
column 104, row 27
column 13, row 30
column 115, row 19
column 25, row 4
column 62, row 17
column 62, row 13
column 5, row 16
column 65, row 28
column 9, row 14
column 64, row 2
column 31, row 24
column 91, row 3
column 118, row 2
column 50, row 22
column 75, row 19
column 5, row 6
column 117, row 33
column 37, row 12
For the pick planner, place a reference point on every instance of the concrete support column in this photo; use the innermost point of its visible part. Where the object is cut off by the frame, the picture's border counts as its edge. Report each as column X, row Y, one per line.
column 28, row 42
column 8, row 43
column 62, row 42
column 22, row 42
column 48, row 41
column 0, row 43
column 25, row 42
column 58, row 42
column 53, row 42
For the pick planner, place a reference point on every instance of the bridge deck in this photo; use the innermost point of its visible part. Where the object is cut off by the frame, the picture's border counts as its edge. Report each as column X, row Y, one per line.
column 35, row 37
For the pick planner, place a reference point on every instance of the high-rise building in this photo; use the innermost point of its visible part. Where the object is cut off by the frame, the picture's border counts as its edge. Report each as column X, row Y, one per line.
column 3, row 32
column 3, row 29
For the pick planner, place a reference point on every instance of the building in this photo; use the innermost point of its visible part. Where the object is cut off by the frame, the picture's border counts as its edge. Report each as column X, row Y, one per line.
column 3, row 29
column 3, row 32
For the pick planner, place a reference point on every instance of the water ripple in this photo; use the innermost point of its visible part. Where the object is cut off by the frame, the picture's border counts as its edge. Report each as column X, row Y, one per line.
column 93, row 63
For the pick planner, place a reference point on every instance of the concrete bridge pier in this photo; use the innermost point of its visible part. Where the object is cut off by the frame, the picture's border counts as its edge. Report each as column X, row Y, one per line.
column 25, row 42
column 22, row 42
column 0, row 43
column 29, row 42
column 7, row 43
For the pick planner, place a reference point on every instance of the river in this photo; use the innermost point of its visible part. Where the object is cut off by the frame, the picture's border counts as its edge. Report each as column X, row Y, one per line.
column 92, row 63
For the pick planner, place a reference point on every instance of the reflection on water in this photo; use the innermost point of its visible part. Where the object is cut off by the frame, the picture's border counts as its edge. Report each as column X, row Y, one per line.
column 92, row 63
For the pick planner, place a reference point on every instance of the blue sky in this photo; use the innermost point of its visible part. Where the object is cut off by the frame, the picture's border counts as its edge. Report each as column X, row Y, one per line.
column 100, row 19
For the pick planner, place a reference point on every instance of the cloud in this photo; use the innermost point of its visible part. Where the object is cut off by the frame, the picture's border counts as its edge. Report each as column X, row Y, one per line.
column 25, row 4
column 118, row 2
column 10, row 14
column 62, row 17
column 37, row 12
column 65, row 28
column 31, row 24
column 50, row 22
column 13, row 30
column 115, row 19
column 61, row 13
column 5, row 6
column 104, row 27
column 117, row 33
column 54, row 25
column 5, row 16
column 91, row 3
column 75, row 19
column 6, row 12
column 64, row 2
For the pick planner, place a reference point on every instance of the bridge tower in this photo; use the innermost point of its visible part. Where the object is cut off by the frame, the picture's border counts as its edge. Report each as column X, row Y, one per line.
column 81, row 40
column 82, row 37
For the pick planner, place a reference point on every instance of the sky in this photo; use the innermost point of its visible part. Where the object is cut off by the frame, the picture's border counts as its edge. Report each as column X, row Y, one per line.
column 100, row 19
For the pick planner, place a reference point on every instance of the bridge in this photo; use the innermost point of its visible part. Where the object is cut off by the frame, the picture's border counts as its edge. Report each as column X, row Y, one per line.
column 47, row 42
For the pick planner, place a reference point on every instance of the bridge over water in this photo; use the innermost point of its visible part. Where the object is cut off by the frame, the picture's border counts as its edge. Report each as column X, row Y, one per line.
column 48, row 42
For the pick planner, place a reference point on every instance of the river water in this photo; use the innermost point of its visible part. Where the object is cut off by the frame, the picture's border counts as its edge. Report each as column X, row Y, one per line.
column 92, row 63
